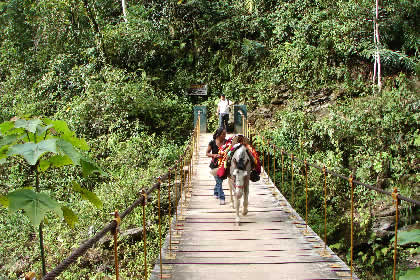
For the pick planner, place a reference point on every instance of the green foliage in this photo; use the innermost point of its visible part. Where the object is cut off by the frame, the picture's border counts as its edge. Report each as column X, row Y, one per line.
column 411, row 274
column 125, row 106
column 4, row 201
column 87, row 195
column 342, row 141
column 407, row 237
column 69, row 216
column 37, row 144
column 31, row 151
column 35, row 205
column 43, row 147
column 30, row 125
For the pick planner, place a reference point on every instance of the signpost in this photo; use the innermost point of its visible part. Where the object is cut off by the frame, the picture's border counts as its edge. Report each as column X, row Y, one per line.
column 197, row 89
column 203, row 117
column 199, row 111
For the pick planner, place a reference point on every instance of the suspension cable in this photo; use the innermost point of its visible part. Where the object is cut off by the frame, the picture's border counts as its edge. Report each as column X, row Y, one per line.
column 356, row 182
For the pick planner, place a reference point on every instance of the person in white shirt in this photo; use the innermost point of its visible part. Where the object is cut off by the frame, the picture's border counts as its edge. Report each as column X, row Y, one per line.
column 223, row 111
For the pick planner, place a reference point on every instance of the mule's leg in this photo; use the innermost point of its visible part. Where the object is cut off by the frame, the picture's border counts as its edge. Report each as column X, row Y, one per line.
column 238, row 195
column 230, row 181
column 246, row 192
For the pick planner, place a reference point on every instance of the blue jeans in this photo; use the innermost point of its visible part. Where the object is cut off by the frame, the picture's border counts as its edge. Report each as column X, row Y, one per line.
column 218, row 189
column 223, row 120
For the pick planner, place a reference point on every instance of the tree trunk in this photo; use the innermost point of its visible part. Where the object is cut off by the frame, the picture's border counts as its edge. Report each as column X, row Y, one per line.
column 40, row 233
column 377, row 43
column 124, row 8
column 374, row 56
column 41, row 246
column 96, row 29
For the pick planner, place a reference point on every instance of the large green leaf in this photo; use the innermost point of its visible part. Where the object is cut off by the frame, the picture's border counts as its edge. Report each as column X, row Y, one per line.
column 78, row 142
column 35, row 205
column 29, row 125
column 412, row 274
column 60, row 126
column 31, row 151
column 68, row 149
column 417, row 140
column 89, row 167
column 44, row 165
column 4, row 201
column 406, row 237
column 65, row 133
column 69, row 216
column 3, row 153
column 87, row 195
column 59, row 160
column 5, row 127
column 41, row 129
column 7, row 140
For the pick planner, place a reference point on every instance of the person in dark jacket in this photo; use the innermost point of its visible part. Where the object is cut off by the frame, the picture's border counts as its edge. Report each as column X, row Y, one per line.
column 219, row 138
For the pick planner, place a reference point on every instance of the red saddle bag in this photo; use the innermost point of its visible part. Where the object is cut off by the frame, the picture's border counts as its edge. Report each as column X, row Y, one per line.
column 221, row 172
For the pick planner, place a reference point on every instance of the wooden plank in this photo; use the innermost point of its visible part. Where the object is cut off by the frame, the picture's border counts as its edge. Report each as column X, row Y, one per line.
column 220, row 271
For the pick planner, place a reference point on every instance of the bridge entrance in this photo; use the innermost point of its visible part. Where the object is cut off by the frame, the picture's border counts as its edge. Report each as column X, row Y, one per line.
column 202, row 111
column 238, row 120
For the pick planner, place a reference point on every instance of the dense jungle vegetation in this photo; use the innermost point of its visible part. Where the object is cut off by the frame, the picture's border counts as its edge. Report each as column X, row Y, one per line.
column 107, row 95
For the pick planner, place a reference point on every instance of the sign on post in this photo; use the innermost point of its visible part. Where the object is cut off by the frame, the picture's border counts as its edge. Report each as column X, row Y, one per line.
column 197, row 90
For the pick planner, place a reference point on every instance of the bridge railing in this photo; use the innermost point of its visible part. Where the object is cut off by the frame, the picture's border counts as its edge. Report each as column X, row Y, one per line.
column 274, row 151
column 178, row 180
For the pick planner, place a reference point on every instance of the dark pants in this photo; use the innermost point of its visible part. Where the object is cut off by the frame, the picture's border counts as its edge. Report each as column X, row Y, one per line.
column 223, row 120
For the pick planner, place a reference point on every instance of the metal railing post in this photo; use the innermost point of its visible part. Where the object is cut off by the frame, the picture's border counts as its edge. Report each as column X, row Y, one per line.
column 115, row 234
column 351, row 226
column 325, row 207
column 282, row 169
column 160, row 226
column 143, row 192
column 395, row 197
column 293, row 186
column 306, row 194
column 274, row 164
column 268, row 159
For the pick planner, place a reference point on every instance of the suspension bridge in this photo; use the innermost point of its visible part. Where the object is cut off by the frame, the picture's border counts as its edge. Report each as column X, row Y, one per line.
column 272, row 239
column 204, row 241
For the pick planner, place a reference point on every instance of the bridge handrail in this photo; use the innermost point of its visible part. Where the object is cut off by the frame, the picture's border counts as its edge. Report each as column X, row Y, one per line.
column 413, row 201
column 113, row 225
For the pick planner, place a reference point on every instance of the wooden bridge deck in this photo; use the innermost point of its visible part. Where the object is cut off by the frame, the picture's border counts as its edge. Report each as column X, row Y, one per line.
column 270, row 242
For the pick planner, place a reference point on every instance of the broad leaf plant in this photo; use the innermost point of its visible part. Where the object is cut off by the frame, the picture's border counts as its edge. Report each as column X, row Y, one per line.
column 44, row 144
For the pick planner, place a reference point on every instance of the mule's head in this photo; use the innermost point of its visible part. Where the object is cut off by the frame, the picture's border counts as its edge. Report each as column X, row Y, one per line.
column 239, row 177
column 241, row 168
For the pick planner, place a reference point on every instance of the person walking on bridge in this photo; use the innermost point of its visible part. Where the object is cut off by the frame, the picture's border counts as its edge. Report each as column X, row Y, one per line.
column 219, row 138
column 223, row 111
